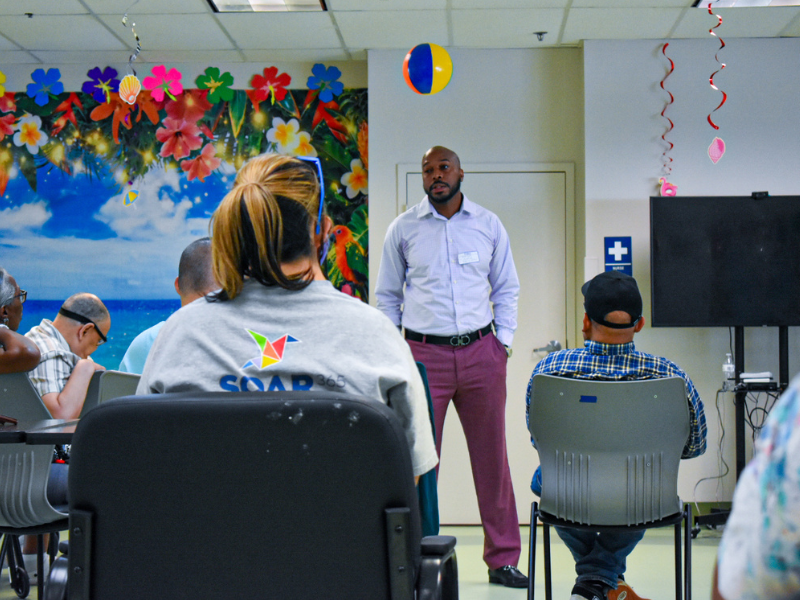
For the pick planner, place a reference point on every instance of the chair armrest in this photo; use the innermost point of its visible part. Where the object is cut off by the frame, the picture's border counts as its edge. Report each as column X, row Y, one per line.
column 438, row 545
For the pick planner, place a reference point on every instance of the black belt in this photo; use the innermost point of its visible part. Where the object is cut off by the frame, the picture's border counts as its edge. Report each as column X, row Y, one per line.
column 448, row 340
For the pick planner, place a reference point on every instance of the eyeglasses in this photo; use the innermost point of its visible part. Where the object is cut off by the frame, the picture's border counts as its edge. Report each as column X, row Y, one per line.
column 316, row 161
column 23, row 295
column 85, row 320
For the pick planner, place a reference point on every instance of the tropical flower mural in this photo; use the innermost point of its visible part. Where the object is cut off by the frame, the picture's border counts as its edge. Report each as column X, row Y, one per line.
column 95, row 147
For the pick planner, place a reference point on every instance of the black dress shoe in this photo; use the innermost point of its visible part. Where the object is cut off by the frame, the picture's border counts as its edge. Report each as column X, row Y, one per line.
column 508, row 576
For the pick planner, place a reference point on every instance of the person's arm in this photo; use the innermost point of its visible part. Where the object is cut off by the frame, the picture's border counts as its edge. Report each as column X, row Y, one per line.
column 391, row 277
column 715, row 594
column 17, row 353
column 68, row 403
column 696, row 444
column 505, row 287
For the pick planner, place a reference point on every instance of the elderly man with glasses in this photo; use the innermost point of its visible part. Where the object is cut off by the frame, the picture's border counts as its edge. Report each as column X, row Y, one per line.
column 65, row 369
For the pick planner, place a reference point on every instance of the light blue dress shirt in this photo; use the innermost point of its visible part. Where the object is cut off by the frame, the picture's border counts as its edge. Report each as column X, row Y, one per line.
column 455, row 271
column 136, row 354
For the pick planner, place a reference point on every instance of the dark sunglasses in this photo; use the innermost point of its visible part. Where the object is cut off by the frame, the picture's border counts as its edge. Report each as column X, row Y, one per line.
column 23, row 295
column 316, row 161
column 81, row 319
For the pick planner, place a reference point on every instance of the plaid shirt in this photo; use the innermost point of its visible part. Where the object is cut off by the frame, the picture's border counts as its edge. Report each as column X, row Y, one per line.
column 57, row 361
column 620, row 362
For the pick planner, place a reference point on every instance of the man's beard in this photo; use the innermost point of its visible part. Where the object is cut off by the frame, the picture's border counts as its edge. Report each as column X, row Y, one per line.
column 443, row 199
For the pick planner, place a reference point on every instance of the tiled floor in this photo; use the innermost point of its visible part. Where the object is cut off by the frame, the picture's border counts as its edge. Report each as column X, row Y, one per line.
column 650, row 567
column 651, row 570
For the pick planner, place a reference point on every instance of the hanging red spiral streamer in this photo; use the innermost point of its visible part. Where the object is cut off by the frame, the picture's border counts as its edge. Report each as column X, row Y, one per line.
column 716, row 57
column 667, row 167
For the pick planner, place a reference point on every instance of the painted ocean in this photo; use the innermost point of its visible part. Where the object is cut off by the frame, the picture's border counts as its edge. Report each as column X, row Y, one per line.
column 128, row 319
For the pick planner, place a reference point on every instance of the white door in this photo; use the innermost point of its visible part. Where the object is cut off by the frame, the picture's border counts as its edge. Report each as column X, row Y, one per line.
column 535, row 204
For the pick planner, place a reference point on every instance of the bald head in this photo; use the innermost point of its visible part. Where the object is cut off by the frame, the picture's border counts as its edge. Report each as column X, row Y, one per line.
column 87, row 305
column 442, row 152
column 195, row 272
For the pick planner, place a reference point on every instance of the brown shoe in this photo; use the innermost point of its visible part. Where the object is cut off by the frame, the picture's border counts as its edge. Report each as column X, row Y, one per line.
column 623, row 592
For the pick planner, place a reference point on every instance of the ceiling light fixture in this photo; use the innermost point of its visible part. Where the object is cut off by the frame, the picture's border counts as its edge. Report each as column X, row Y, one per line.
column 267, row 5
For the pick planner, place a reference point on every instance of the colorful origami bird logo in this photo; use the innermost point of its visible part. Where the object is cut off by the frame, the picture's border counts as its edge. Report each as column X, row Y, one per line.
column 271, row 352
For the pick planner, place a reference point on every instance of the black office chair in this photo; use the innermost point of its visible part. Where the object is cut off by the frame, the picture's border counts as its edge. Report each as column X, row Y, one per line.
column 271, row 495
column 610, row 452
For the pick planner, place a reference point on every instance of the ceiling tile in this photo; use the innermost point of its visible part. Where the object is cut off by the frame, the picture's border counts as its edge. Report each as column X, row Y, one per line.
column 6, row 44
column 367, row 5
column 112, row 7
column 737, row 22
column 393, row 29
column 117, row 59
column 482, row 4
column 173, row 32
column 793, row 29
column 17, row 57
column 304, row 55
column 632, row 3
column 285, row 30
column 204, row 57
column 618, row 23
column 510, row 28
column 42, row 7
column 69, row 32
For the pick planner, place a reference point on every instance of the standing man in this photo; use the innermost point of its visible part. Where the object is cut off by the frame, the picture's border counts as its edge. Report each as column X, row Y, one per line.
column 454, row 259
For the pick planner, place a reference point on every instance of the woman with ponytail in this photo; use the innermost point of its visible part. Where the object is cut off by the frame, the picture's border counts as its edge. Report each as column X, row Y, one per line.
column 277, row 323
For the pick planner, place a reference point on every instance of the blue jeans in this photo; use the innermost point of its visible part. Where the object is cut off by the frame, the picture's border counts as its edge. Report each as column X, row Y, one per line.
column 599, row 556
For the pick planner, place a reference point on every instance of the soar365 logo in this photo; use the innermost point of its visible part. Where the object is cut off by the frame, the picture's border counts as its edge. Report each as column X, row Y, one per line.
column 271, row 352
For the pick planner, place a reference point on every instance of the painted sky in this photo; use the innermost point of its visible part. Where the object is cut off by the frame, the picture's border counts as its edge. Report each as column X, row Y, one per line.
column 76, row 234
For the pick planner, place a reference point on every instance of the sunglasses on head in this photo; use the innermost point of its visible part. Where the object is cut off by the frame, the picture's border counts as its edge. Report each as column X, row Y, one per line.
column 318, row 163
column 81, row 319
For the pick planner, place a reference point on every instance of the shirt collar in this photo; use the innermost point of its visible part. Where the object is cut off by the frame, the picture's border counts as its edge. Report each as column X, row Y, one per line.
column 610, row 349
column 467, row 207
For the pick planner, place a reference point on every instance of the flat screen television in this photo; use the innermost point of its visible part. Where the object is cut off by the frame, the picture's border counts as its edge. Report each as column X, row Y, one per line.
column 725, row 261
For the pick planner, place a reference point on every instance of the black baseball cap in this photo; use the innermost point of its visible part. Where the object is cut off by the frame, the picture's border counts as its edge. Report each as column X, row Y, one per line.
column 611, row 291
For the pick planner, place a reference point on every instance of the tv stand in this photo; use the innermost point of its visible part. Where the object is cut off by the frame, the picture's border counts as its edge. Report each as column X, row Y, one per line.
column 741, row 390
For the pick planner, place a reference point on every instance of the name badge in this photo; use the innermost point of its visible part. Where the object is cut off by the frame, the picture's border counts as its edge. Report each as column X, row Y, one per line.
column 466, row 258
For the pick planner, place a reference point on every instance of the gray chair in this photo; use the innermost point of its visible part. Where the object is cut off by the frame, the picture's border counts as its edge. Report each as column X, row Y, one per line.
column 106, row 385
column 24, row 473
column 297, row 495
column 610, row 452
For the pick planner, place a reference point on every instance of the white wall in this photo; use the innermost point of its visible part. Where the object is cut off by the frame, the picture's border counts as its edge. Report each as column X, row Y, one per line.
column 760, row 124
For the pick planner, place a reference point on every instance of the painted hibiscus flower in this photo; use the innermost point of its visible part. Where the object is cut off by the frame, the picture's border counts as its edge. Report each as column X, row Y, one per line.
column 2, row 82
column 163, row 82
column 271, row 85
column 45, row 84
column 219, row 86
column 101, row 83
column 325, row 80
column 284, row 135
column 7, row 103
column 202, row 166
column 179, row 138
column 7, row 125
column 30, row 133
column 191, row 106
column 356, row 180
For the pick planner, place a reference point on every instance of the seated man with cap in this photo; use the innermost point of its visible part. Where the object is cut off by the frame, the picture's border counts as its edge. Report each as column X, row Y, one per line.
column 65, row 369
column 613, row 307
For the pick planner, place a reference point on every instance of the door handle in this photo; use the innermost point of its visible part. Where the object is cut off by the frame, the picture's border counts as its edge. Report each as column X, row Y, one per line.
column 552, row 346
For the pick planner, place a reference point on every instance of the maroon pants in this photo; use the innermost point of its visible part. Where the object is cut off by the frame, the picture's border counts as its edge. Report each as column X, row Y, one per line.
column 474, row 378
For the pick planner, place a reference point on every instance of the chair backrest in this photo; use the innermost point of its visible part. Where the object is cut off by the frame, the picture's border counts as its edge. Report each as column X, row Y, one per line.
column 106, row 385
column 609, row 450
column 24, row 469
column 220, row 495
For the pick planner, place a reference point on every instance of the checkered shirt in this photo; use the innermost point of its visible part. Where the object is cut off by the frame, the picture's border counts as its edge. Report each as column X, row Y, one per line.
column 622, row 362
column 57, row 361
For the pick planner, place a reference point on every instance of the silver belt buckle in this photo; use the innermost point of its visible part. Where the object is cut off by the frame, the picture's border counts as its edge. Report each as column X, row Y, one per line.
column 459, row 340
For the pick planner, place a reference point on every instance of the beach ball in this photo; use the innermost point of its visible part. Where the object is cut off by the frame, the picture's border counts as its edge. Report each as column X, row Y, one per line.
column 427, row 68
